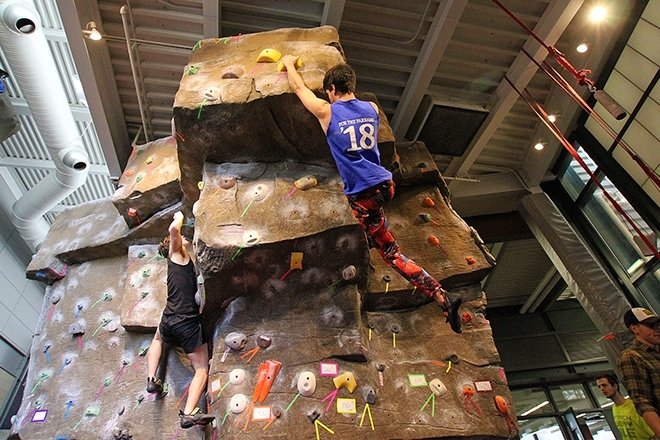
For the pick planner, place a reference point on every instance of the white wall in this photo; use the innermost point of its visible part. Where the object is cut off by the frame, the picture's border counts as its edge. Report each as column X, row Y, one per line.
column 20, row 298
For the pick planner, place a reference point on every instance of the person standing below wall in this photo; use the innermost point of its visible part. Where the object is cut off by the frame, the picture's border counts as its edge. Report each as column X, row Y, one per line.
column 630, row 424
column 351, row 129
column 181, row 324
column 639, row 365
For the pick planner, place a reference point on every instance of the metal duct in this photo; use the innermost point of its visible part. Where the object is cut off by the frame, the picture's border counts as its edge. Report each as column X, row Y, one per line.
column 24, row 45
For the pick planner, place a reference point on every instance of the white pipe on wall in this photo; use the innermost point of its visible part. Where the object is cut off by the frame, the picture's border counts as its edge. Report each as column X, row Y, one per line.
column 24, row 44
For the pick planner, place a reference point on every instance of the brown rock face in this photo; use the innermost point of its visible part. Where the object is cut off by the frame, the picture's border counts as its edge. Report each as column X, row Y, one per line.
column 254, row 117
column 150, row 181
column 298, row 310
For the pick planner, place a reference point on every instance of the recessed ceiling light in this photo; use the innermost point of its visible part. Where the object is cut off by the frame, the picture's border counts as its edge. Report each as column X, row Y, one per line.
column 552, row 118
column 539, row 146
column 598, row 14
column 582, row 48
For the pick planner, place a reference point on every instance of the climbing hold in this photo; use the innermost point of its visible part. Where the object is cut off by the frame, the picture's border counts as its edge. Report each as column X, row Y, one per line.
column 227, row 182
column 426, row 218
column 349, row 272
column 266, row 375
column 113, row 326
column 192, row 70
column 237, row 376
column 55, row 298
column 76, row 329
column 345, row 380
column 148, row 160
column 264, row 341
column 501, row 405
column 369, row 394
column 236, row 341
column 212, row 94
column 466, row 317
column 453, row 358
column 437, row 387
column 387, row 278
column 306, row 383
column 297, row 64
column 305, row 182
column 470, row 260
column 422, row 165
column 396, row 328
column 277, row 412
column 433, row 240
column 313, row 416
column 269, row 56
column 237, row 403
column 233, row 72
column 200, row 185
column 251, row 238
column 141, row 254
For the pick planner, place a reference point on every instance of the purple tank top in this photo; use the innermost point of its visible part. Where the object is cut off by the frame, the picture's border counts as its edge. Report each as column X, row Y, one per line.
column 353, row 138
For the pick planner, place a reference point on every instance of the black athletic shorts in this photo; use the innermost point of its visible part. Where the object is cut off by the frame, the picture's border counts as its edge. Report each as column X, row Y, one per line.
column 187, row 334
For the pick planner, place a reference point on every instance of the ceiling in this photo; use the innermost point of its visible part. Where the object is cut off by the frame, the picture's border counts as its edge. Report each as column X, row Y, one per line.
column 414, row 55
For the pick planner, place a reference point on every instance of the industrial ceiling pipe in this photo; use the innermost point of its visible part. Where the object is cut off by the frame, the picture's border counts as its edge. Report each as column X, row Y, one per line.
column 24, row 44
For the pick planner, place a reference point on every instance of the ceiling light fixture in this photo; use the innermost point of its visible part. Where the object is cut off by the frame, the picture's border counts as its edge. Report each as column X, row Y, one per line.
column 539, row 146
column 552, row 118
column 582, row 48
column 598, row 14
column 92, row 32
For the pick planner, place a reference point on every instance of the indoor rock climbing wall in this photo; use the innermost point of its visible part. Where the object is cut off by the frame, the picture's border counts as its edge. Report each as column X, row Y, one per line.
column 312, row 335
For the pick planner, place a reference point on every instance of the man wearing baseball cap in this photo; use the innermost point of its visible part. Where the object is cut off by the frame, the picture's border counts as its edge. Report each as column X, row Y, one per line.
column 639, row 365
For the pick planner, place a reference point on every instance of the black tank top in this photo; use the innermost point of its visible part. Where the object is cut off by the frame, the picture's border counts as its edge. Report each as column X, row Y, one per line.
column 181, row 289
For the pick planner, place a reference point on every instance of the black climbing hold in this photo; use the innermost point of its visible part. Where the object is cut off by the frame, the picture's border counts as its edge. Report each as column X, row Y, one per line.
column 387, row 278
column 395, row 328
column 453, row 358
column 369, row 394
column 277, row 412
column 121, row 410
column 313, row 416
column 380, row 367
column 264, row 341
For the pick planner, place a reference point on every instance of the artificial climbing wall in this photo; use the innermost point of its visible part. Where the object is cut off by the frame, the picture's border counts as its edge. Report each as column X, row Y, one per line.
column 312, row 335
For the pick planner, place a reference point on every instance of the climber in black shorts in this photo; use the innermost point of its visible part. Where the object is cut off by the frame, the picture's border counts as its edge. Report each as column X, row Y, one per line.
column 181, row 324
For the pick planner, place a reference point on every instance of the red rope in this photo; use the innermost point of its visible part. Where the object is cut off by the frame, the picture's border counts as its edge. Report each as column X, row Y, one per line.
column 571, row 92
column 540, row 112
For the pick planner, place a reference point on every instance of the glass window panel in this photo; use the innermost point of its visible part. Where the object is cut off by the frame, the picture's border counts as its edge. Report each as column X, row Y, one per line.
column 597, row 424
column 615, row 231
column 649, row 285
column 570, row 396
column 574, row 178
column 544, row 428
column 531, row 401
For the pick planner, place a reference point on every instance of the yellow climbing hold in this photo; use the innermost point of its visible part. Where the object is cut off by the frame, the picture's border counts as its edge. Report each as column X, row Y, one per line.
column 269, row 56
column 298, row 64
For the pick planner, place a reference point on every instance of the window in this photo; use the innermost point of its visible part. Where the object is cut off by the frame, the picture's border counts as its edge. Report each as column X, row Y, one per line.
column 626, row 250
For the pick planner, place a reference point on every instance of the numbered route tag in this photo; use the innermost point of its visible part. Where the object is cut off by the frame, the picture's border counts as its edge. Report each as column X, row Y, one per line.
column 483, row 385
column 329, row 369
column 346, row 406
column 39, row 415
column 261, row 413
column 417, row 380
column 215, row 386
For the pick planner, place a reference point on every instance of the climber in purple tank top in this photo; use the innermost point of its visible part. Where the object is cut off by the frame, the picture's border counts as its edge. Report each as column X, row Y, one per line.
column 351, row 128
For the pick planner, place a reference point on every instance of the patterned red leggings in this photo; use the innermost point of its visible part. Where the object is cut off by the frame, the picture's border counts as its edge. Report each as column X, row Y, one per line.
column 368, row 209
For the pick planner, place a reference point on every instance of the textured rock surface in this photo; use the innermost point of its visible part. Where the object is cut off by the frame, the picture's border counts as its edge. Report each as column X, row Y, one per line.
column 150, row 181
column 421, row 346
column 94, row 230
column 272, row 255
column 253, row 118
column 75, row 368
column 145, row 292
column 456, row 260
column 251, row 221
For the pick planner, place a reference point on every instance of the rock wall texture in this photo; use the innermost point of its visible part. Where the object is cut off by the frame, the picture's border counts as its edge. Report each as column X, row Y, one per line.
column 311, row 334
